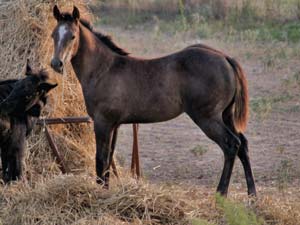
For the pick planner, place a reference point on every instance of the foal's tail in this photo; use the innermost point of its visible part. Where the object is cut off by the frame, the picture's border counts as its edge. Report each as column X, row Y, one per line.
column 241, row 99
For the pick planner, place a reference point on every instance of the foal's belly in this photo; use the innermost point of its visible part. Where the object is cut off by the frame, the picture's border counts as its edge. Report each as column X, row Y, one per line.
column 149, row 118
column 153, row 113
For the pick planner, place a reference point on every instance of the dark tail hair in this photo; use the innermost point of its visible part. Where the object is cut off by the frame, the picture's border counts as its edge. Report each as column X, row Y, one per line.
column 241, row 99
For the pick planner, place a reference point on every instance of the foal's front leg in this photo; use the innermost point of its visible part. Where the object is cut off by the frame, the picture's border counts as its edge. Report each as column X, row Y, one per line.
column 103, row 132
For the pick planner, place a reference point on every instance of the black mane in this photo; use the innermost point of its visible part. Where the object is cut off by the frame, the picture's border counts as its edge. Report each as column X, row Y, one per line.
column 105, row 39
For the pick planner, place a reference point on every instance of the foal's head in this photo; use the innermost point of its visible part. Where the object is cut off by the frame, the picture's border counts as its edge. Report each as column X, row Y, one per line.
column 27, row 92
column 65, row 36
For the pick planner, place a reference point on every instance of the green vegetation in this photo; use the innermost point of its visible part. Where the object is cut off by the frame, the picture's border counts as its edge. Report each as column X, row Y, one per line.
column 183, row 17
column 262, row 106
column 293, row 80
column 236, row 213
column 200, row 222
column 284, row 170
column 247, row 20
column 284, row 174
column 199, row 150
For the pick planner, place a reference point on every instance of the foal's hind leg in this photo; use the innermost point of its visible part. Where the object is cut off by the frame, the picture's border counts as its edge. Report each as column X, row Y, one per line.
column 216, row 130
column 242, row 153
column 244, row 157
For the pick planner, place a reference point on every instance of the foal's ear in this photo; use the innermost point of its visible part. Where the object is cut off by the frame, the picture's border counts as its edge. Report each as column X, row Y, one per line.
column 28, row 69
column 46, row 87
column 76, row 14
column 56, row 13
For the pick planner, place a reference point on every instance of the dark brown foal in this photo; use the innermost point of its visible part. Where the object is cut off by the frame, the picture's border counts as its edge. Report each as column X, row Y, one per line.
column 206, row 84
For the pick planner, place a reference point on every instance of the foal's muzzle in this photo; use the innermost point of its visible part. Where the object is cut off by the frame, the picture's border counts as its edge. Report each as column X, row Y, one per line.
column 57, row 65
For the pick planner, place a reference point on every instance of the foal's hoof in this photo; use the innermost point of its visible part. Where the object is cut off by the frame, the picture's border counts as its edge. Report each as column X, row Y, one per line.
column 252, row 199
column 223, row 194
column 252, row 194
column 102, row 182
column 8, row 179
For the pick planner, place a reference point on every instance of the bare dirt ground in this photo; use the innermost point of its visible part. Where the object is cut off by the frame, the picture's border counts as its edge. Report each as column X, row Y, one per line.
column 178, row 151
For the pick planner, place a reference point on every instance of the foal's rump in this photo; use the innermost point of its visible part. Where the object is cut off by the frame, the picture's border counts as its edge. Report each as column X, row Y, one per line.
column 209, row 80
column 228, row 68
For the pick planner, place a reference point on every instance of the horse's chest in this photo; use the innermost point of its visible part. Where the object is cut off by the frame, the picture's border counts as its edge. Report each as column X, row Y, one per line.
column 90, row 98
column 99, row 97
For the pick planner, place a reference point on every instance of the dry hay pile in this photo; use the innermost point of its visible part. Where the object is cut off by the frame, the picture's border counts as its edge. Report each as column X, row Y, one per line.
column 78, row 199
column 26, row 27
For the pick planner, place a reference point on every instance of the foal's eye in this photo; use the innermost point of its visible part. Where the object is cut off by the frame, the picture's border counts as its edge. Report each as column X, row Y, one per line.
column 73, row 37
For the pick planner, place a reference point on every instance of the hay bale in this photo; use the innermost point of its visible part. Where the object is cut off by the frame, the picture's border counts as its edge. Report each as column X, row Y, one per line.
column 26, row 27
column 79, row 200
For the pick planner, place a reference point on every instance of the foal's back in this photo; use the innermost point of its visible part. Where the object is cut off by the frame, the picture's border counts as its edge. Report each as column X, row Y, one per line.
column 199, row 63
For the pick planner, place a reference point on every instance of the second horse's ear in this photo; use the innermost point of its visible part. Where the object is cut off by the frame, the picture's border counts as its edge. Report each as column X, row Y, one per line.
column 76, row 13
column 28, row 69
column 56, row 13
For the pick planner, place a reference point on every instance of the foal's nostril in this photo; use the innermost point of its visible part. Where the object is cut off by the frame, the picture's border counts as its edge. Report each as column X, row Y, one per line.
column 52, row 63
column 56, row 63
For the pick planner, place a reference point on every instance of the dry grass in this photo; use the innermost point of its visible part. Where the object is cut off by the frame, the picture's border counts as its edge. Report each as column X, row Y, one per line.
column 77, row 199
column 26, row 28
column 280, row 208
column 219, row 9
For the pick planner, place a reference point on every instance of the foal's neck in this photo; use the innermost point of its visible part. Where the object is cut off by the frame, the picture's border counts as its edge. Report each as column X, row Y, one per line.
column 93, row 57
